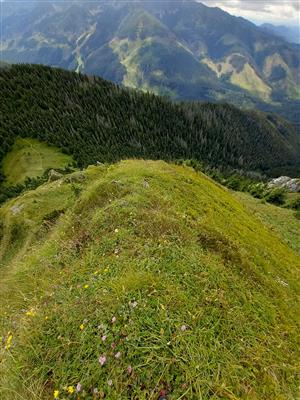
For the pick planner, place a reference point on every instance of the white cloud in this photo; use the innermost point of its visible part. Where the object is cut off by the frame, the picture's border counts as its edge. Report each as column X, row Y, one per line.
column 276, row 11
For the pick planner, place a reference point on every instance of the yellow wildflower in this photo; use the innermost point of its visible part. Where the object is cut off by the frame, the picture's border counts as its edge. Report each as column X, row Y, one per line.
column 70, row 389
column 56, row 394
column 30, row 313
column 46, row 317
column 86, row 286
column 8, row 341
column 106, row 269
column 81, row 327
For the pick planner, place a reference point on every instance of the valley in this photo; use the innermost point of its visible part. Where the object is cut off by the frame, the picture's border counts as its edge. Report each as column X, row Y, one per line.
column 187, row 52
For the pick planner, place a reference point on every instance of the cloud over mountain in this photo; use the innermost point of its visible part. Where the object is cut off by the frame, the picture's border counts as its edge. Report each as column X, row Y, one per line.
column 266, row 10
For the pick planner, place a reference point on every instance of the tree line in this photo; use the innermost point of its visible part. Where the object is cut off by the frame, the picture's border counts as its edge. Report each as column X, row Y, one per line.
column 96, row 120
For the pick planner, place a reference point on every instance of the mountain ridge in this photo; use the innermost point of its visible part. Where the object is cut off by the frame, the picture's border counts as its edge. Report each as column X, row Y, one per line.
column 144, row 279
column 289, row 33
column 228, row 58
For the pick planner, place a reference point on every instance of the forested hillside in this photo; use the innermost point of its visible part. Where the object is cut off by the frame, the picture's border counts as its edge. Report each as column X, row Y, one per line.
column 95, row 120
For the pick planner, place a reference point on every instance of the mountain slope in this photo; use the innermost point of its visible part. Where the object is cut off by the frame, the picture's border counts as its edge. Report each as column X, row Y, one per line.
column 29, row 158
column 94, row 120
column 289, row 33
column 150, row 279
column 184, row 49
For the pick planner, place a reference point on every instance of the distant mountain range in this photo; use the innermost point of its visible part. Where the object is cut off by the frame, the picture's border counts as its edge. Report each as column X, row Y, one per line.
column 289, row 33
column 182, row 49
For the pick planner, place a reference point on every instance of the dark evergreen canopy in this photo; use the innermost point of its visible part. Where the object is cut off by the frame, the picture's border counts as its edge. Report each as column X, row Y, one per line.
column 95, row 120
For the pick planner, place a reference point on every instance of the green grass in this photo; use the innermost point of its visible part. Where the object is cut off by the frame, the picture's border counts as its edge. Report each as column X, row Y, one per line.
column 31, row 158
column 281, row 221
column 195, row 295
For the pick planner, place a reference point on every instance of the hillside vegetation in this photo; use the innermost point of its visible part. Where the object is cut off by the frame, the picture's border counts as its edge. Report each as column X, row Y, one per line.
column 144, row 278
column 30, row 158
column 95, row 120
column 282, row 221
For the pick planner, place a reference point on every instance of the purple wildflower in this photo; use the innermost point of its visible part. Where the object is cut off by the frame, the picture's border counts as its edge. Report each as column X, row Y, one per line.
column 78, row 387
column 102, row 359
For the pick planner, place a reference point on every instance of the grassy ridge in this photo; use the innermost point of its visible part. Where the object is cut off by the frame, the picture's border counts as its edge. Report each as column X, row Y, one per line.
column 160, row 275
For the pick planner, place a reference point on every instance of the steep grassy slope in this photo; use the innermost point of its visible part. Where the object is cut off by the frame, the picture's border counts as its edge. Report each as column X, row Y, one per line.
column 154, row 280
column 95, row 120
column 31, row 158
column 282, row 221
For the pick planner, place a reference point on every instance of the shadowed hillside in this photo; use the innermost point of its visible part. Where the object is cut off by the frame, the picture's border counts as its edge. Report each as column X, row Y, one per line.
column 95, row 120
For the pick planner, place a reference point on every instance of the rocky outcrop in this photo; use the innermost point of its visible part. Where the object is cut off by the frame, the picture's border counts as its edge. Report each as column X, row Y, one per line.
column 285, row 182
column 54, row 175
column 76, row 177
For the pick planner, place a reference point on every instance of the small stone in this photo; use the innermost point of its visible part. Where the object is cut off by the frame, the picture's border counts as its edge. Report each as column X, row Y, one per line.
column 183, row 328
column 146, row 184
column 133, row 304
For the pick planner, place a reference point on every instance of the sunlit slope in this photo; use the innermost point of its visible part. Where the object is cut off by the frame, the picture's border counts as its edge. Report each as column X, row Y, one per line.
column 281, row 220
column 31, row 158
column 30, row 218
column 182, row 49
column 154, row 280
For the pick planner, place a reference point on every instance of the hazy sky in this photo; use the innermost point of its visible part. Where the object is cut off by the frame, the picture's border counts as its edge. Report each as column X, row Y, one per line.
column 275, row 11
column 285, row 12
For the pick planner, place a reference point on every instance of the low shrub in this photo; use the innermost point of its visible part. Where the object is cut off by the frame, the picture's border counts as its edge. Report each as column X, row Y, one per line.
column 276, row 196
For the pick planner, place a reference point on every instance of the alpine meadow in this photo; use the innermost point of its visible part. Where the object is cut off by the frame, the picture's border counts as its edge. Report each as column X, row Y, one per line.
column 149, row 200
